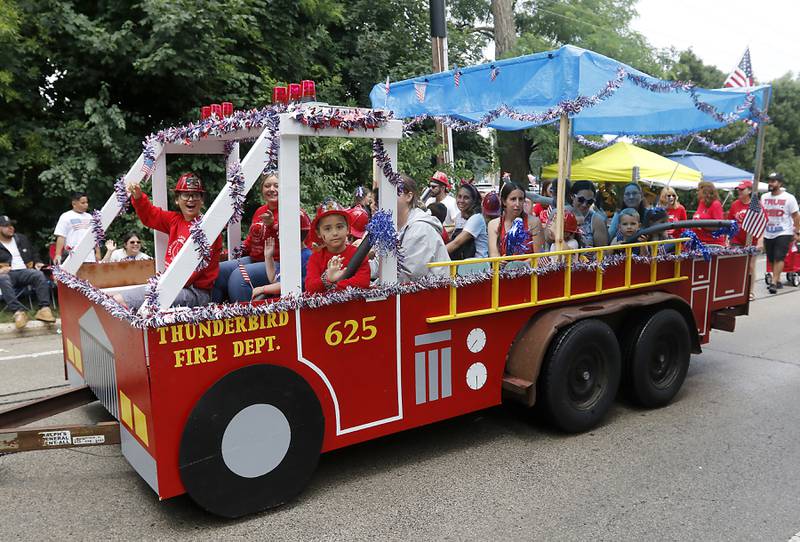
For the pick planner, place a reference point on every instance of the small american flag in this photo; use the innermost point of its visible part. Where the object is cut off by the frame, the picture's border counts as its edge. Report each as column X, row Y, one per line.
column 419, row 89
column 245, row 275
column 494, row 73
column 457, row 77
column 754, row 219
column 742, row 76
column 147, row 167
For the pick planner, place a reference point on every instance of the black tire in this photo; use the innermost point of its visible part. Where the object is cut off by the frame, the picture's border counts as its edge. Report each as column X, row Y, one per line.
column 270, row 471
column 657, row 357
column 768, row 279
column 580, row 376
column 794, row 279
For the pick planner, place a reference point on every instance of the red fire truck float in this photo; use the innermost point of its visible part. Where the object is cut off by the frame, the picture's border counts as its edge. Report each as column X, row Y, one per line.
column 233, row 404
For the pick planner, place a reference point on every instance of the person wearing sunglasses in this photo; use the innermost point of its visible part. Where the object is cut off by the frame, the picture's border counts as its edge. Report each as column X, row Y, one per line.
column 668, row 199
column 591, row 223
column 131, row 249
column 189, row 195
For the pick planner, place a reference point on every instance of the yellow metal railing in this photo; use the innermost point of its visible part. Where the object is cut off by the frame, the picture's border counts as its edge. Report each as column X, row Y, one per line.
column 568, row 256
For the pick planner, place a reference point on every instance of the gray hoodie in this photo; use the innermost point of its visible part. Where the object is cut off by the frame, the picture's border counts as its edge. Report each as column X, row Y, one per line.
column 421, row 243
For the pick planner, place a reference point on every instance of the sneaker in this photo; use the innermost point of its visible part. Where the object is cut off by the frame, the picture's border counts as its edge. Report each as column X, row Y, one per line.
column 45, row 315
column 779, row 285
column 772, row 289
column 20, row 319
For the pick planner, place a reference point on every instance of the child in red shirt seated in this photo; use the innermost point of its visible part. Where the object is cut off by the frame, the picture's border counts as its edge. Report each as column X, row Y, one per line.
column 327, row 265
column 189, row 195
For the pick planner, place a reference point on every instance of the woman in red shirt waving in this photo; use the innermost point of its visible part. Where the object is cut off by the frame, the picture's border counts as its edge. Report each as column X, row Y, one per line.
column 708, row 208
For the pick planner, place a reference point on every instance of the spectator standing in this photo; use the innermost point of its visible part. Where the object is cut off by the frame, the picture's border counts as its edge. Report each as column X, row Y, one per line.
column 20, row 266
column 440, row 188
column 708, row 208
column 668, row 199
column 131, row 250
column 72, row 226
column 783, row 223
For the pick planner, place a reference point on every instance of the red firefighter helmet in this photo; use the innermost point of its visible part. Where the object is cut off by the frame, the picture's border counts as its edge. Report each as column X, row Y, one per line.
column 570, row 223
column 358, row 221
column 305, row 222
column 491, row 204
column 189, row 182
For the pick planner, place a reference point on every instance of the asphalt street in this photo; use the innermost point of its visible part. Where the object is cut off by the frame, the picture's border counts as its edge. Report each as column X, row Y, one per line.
column 720, row 463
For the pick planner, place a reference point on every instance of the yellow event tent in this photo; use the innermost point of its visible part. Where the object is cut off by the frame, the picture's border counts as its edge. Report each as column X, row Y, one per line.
column 616, row 162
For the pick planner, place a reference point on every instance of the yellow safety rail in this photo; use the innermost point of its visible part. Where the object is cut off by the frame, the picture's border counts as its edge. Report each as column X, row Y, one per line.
column 568, row 256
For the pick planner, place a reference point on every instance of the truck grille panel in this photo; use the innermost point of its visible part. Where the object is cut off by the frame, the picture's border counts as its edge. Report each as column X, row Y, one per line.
column 98, row 367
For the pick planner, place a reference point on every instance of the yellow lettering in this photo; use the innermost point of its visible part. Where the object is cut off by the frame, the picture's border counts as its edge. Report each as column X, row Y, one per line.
column 248, row 347
column 162, row 334
column 229, row 323
column 283, row 318
column 271, row 318
column 177, row 334
column 269, row 339
column 211, row 352
column 259, row 344
column 199, row 354
column 240, row 325
column 262, row 321
column 253, row 322
column 191, row 332
column 179, row 357
column 238, row 349
column 218, row 328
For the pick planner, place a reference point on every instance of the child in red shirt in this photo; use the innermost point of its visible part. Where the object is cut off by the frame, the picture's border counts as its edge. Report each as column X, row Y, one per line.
column 326, row 266
column 189, row 199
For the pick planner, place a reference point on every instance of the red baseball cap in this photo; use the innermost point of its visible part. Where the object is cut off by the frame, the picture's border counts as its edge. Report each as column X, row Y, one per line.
column 441, row 177
column 744, row 184
column 189, row 182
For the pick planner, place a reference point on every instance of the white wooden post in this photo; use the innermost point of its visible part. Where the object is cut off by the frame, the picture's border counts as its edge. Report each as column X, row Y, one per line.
column 387, row 199
column 161, row 199
column 289, row 208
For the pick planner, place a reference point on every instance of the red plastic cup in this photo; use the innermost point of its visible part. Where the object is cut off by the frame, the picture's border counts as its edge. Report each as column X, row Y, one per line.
column 295, row 92
column 309, row 90
column 205, row 112
column 216, row 109
column 227, row 109
column 280, row 95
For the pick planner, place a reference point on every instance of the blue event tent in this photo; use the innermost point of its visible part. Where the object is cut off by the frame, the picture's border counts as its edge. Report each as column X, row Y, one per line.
column 724, row 176
column 611, row 97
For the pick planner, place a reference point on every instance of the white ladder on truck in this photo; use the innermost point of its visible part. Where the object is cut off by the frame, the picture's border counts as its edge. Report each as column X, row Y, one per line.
column 218, row 215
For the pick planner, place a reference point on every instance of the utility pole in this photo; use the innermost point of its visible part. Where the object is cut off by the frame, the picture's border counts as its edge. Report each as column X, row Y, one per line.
column 444, row 135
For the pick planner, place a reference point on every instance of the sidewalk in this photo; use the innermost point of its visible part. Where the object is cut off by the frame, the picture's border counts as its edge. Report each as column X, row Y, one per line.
column 34, row 328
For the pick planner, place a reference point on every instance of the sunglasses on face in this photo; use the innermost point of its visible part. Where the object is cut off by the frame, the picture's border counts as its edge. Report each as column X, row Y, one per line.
column 134, row 242
column 188, row 196
column 582, row 200
column 671, row 196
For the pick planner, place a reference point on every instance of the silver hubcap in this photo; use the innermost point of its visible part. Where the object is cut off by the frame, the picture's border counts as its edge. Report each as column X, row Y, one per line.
column 256, row 440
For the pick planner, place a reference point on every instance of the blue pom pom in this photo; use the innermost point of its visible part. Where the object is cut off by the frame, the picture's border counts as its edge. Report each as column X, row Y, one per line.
column 383, row 234
column 518, row 239
column 696, row 244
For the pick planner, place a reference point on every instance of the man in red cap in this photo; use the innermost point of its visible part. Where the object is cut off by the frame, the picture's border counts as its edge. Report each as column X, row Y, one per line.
column 189, row 195
column 737, row 212
column 440, row 187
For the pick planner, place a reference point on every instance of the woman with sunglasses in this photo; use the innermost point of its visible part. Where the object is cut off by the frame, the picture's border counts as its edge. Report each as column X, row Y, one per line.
column 668, row 199
column 131, row 249
column 591, row 223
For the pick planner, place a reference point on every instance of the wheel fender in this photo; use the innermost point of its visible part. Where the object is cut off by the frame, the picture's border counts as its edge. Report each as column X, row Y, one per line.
column 528, row 350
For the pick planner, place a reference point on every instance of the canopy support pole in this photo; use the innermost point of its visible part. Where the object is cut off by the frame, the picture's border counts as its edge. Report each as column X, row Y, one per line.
column 759, row 160
column 564, row 163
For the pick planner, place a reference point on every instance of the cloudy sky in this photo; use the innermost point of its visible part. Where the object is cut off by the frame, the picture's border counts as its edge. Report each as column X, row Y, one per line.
column 719, row 32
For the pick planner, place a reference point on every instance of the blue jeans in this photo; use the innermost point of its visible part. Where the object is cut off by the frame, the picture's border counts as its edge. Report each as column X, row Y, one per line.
column 220, row 291
column 238, row 288
column 20, row 278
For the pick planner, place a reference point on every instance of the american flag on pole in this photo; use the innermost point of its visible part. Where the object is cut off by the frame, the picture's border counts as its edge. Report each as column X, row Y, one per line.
column 742, row 76
column 419, row 89
column 494, row 73
column 754, row 219
column 457, row 77
column 147, row 167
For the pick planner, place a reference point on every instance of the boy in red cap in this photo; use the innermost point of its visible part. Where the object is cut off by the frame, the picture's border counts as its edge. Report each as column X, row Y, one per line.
column 326, row 266
column 189, row 199
column 440, row 193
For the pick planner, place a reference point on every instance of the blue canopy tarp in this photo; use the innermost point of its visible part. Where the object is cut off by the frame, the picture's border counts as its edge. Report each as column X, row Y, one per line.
column 724, row 176
column 540, row 83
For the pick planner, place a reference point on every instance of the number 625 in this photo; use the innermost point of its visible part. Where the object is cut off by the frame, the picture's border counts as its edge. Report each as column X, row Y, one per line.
column 351, row 332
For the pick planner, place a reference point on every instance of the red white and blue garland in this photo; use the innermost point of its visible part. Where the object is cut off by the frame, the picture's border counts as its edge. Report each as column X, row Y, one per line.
column 236, row 181
column 153, row 318
column 669, row 140
column 343, row 119
column 385, row 164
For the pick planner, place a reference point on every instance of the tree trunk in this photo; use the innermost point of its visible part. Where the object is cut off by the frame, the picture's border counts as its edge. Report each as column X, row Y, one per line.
column 512, row 147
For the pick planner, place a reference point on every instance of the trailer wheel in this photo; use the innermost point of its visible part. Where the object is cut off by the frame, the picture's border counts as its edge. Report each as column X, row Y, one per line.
column 794, row 279
column 580, row 377
column 657, row 354
column 252, row 441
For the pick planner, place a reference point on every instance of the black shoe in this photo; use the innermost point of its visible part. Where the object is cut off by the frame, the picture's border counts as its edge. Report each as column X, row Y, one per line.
column 779, row 285
column 772, row 289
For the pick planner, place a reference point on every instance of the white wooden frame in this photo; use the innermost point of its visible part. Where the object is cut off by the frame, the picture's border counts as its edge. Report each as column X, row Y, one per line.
column 221, row 210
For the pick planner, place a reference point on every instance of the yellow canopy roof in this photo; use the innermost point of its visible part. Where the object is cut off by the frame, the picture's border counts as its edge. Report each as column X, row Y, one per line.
column 616, row 162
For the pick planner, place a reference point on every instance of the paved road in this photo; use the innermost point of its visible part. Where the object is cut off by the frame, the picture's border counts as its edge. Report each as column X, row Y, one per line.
column 721, row 463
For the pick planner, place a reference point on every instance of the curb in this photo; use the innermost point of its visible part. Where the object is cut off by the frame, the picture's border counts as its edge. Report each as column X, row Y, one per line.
column 33, row 329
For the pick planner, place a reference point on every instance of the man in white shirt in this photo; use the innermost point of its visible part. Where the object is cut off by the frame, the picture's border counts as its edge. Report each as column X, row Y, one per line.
column 439, row 190
column 20, row 267
column 72, row 226
column 782, row 226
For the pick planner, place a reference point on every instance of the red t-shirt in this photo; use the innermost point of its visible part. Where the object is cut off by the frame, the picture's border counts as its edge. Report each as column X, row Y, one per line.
column 318, row 263
column 253, row 245
column 713, row 212
column 737, row 212
column 173, row 223
column 445, row 236
column 675, row 214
